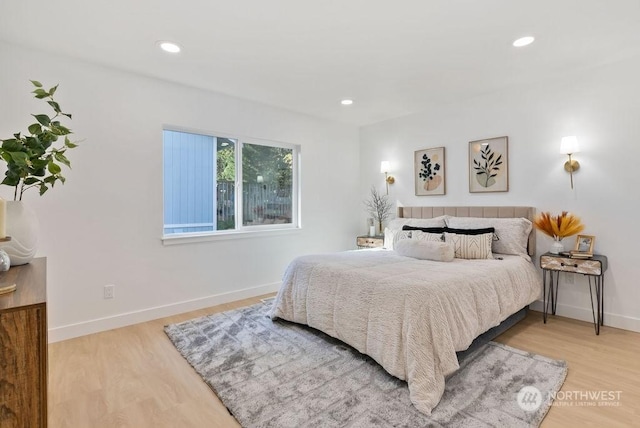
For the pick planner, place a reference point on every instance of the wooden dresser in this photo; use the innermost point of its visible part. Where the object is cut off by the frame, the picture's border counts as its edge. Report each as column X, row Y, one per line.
column 23, row 347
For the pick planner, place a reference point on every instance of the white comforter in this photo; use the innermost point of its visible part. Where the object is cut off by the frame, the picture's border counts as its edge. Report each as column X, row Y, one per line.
column 410, row 315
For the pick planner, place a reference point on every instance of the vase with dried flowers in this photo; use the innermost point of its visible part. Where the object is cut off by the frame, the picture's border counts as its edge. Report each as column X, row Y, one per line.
column 379, row 207
column 558, row 227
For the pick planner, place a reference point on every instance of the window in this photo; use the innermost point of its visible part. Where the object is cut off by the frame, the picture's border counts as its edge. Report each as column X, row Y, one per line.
column 216, row 184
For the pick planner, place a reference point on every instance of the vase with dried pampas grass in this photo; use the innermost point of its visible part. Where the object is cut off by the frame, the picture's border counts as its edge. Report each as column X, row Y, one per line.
column 558, row 227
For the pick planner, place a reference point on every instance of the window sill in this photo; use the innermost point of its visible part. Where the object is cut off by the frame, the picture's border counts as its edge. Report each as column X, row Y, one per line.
column 190, row 238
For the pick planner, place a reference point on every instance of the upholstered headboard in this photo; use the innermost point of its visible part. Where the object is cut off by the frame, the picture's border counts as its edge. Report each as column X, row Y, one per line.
column 487, row 212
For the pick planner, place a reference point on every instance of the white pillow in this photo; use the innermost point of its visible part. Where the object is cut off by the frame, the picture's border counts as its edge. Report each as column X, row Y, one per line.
column 392, row 236
column 470, row 246
column 397, row 223
column 512, row 233
column 425, row 250
column 426, row 236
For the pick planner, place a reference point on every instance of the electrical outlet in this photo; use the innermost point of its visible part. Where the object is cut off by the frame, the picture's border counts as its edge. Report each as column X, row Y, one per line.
column 108, row 291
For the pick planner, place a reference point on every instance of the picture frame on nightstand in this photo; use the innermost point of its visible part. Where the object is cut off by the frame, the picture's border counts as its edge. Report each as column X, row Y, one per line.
column 584, row 246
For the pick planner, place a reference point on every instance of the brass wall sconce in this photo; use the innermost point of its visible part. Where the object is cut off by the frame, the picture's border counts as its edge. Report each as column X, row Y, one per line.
column 384, row 168
column 569, row 146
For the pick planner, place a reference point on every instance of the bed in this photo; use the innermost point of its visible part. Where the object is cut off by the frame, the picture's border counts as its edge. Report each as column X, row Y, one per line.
column 412, row 315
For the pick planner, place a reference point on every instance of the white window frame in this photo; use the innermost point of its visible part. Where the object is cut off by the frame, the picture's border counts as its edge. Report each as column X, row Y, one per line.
column 242, row 231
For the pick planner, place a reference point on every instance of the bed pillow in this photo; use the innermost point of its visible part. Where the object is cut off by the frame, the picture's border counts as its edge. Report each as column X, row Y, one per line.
column 392, row 236
column 470, row 246
column 397, row 223
column 428, row 222
column 480, row 231
column 512, row 233
column 419, row 235
column 424, row 229
column 425, row 250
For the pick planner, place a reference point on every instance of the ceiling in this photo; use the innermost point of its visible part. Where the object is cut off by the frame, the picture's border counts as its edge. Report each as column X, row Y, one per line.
column 391, row 58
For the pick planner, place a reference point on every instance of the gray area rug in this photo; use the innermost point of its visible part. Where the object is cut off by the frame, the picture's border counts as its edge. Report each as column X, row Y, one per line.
column 281, row 374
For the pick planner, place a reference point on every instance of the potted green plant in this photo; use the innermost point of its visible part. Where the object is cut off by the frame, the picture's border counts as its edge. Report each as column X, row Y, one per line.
column 34, row 161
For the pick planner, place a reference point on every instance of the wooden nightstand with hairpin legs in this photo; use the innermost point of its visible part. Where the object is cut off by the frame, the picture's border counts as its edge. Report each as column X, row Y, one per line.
column 593, row 268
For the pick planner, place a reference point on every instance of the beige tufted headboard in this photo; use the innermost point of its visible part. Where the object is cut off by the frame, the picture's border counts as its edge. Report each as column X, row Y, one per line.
column 487, row 212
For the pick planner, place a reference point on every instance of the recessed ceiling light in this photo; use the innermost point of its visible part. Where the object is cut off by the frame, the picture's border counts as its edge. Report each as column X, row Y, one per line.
column 346, row 102
column 523, row 41
column 169, row 47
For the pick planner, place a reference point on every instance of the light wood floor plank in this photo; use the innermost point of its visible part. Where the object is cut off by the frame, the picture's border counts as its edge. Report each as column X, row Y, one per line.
column 134, row 377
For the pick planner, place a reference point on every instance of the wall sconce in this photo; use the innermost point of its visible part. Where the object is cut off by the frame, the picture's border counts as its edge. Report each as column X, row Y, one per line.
column 384, row 168
column 569, row 146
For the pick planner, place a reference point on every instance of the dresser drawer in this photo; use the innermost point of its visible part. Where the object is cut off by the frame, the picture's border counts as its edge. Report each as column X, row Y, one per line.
column 370, row 241
column 567, row 264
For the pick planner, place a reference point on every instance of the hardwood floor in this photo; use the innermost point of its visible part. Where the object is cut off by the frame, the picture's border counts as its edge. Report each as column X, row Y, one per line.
column 134, row 377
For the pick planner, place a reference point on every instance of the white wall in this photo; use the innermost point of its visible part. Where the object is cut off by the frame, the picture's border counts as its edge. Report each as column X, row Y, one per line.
column 104, row 225
column 601, row 106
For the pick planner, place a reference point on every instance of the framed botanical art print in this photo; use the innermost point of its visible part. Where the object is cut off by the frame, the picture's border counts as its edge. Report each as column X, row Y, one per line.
column 489, row 165
column 429, row 171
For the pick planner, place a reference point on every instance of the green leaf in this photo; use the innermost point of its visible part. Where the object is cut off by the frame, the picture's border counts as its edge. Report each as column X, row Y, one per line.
column 55, row 105
column 54, row 168
column 66, row 114
column 34, row 144
column 43, row 119
column 35, row 128
column 53, row 90
column 40, row 163
column 31, row 180
column 47, row 138
column 12, row 145
column 62, row 159
column 69, row 144
column 20, row 158
column 11, row 181
column 43, row 189
column 36, row 83
column 40, row 91
column 60, row 130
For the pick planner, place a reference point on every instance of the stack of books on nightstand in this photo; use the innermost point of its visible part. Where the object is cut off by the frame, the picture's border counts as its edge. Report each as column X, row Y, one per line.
column 580, row 255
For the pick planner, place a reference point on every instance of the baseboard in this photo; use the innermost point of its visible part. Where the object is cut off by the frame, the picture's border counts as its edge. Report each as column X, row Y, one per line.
column 584, row 314
column 70, row 331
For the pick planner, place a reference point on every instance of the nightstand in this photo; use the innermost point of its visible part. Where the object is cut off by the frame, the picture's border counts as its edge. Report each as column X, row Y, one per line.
column 593, row 268
column 366, row 241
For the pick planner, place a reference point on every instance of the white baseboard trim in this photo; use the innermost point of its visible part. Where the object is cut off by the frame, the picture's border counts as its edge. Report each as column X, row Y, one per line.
column 584, row 314
column 70, row 331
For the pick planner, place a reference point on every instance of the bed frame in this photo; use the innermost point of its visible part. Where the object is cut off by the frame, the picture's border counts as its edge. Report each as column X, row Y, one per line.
column 486, row 212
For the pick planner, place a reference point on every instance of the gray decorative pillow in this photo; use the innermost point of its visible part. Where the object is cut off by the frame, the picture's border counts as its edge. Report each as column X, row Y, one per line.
column 425, row 250
column 470, row 246
column 512, row 233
